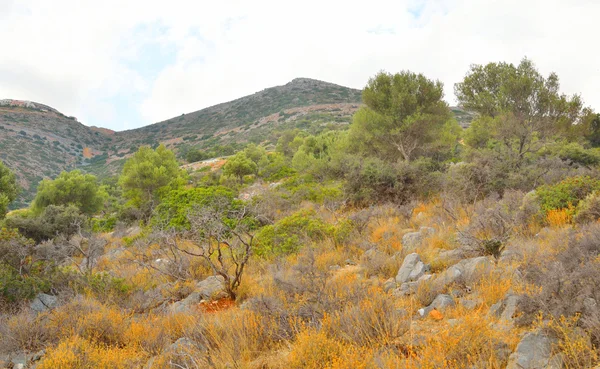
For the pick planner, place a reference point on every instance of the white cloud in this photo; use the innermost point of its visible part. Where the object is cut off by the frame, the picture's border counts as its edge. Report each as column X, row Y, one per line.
column 90, row 59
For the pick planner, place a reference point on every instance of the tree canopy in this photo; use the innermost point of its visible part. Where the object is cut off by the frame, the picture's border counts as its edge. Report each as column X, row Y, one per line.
column 148, row 172
column 403, row 116
column 70, row 188
column 8, row 189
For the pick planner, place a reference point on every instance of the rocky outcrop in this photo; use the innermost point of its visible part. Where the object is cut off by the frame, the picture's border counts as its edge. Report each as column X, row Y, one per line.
column 440, row 303
column 535, row 352
column 212, row 287
column 468, row 270
column 412, row 269
column 507, row 309
column 411, row 240
column 43, row 302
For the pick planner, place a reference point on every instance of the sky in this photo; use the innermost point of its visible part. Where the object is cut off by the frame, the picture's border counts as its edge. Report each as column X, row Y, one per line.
column 129, row 63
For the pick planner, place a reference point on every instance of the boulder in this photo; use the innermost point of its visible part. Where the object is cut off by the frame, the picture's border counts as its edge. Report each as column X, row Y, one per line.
column 469, row 270
column 389, row 285
column 412, row 269
column 507, row 309
column 452, row 256
column 412, row 240
column 212, row 288
column 410, row 288
column 534, row 352
column 440, row 303
column 43, row 302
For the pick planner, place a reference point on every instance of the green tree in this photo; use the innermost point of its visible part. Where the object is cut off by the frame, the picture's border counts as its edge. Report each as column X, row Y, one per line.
column 257, row 154
column 525, row 107
column 148, row 174
column 403, row 116
column 194, row 155
column 70, row 188
column 8, row 189
column 239, row 165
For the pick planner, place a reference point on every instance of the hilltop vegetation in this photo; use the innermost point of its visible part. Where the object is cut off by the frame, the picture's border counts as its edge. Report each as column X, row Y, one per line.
column 399, row 240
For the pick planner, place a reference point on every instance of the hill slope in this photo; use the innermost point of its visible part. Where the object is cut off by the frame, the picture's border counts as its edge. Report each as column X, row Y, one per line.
column 37, row 141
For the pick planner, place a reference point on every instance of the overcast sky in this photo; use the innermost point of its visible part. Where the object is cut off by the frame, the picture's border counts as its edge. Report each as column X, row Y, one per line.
column 128, row 63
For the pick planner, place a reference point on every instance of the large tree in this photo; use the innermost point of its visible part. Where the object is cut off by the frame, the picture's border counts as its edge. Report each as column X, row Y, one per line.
column 70, row 188
column 8, row 189
column 522, row 107
column 240, row 165
column 147, row 173
column 403, row 115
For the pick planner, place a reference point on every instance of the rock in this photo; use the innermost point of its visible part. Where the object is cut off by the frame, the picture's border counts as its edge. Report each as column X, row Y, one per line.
column 43, row 302
column 389, row 285
column 212, row 287
column 470, row 303
column 411, row 240
column 469, row 270
column 440, row 303
column 427, row 231
column 534, row 352
column 412, row 269
column 410, row 288
column 507, row 309
column 452, row 256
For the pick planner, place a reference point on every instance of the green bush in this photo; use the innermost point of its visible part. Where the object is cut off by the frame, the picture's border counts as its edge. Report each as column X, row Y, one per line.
column 566, row 193
column 175, row 207
column 53, row 221
column 290, row 233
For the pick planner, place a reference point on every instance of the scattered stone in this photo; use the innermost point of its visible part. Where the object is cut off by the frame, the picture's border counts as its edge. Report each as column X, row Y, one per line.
column 507, row 309
column 212, row 288
column 440, row 303
column 534, row 352
column 470, row 303
column 412, row 240
column 410, row 288
column 43, row 302
column 452, row 256
column 436, row 315
column 469, row 270
column 389, row 285
column 412, row 269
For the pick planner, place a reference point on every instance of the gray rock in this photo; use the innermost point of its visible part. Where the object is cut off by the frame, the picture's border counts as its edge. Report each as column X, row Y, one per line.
column 212, row 288
column 534, row 352
column 43, row 302
column 442, row 302
column 470, row 303
column 509, row 256
column 507, row 309
column 412, row 269
column 410, row 288
column 427, row 231
column 452, row 256
column 469, row 270
column 389, row 285
column 411, row 240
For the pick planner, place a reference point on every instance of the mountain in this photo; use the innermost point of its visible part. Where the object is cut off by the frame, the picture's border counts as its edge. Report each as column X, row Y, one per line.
column 37, row 141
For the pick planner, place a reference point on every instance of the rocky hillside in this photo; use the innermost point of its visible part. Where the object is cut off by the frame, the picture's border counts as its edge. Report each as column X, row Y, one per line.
column 38, row 141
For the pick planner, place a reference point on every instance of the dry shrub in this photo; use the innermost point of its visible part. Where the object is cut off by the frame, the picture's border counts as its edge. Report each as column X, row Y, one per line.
column 374, row 321
column 90, row 320
column 23, row 331
column 313, row 349
column 236, row 337
column 570, row 284
column 426, row 292
column 559, row 217
column 574, row 343
column 79, row 353
column 471, row 343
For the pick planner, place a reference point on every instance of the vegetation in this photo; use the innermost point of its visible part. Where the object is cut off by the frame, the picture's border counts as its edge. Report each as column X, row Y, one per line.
column 397, row 241
column 8, row 189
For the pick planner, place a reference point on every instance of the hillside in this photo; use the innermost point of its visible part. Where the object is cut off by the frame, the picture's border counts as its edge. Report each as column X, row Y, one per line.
column 37, row 141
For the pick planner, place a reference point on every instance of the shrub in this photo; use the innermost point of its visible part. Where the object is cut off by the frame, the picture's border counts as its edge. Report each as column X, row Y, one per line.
column 287, row 235
column 177, row 205
column 588, row 210
column 52, row 222
column 568, row 192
